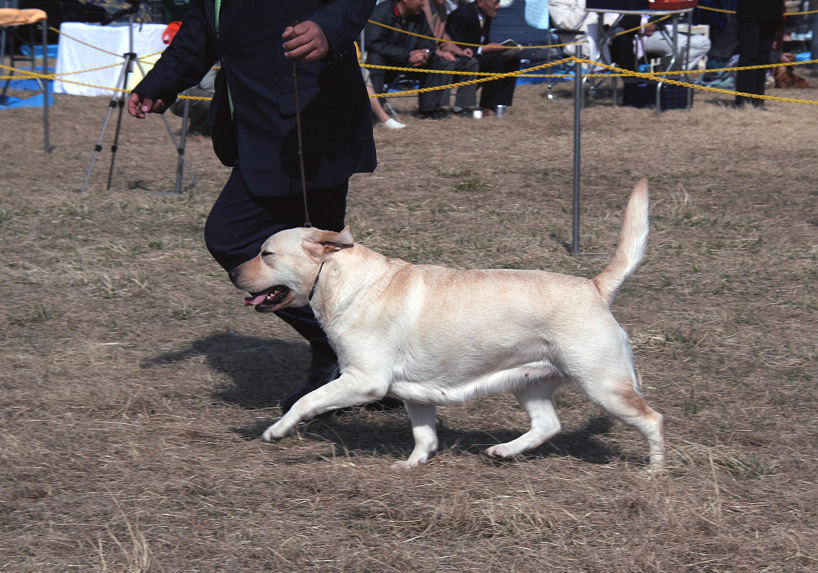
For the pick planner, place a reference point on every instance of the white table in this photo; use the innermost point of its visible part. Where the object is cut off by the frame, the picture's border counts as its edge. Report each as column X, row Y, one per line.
column 102, row 46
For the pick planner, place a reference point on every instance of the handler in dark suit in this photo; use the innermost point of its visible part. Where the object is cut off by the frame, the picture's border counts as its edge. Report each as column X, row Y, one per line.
column 758, row 23
column 253, row 124
column 471, row 24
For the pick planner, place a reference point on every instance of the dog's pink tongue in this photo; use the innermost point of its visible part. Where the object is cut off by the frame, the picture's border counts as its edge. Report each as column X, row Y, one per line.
column 254, row 300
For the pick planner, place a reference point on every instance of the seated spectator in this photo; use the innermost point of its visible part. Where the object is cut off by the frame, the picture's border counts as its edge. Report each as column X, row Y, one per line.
column 198, row 109
column 575, row 24
column 386, row 47
column 377, row 108
column 471, row 24
column 657, row 41
column 437, row 13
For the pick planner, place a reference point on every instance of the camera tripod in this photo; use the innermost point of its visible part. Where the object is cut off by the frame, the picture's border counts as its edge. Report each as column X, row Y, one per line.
column 118, row 100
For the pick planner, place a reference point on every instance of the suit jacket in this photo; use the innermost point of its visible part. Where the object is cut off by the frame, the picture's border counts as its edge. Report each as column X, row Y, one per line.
column 760, row 11
column 464, row 26
column 260, row 133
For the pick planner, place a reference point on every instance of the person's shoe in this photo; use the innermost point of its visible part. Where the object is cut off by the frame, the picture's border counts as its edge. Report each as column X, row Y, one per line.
column 323, row 368
column 394, row 124
column 433, row 114
column 488, row 111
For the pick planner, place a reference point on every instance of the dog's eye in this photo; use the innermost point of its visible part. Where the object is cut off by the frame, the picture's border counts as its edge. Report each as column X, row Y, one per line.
column 266, row 253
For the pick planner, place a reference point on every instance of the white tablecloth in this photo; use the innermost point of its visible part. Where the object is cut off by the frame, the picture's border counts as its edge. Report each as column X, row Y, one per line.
column 74, row 56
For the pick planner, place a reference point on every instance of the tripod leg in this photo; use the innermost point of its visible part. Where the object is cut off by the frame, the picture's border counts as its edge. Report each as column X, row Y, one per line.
column 114, row 145
column 182, row 140
column 181, row 149
column 98, row 146
column 130, row 58
column 180, row 145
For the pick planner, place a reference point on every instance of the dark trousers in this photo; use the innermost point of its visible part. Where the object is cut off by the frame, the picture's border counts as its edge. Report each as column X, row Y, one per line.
column 755, row 42
column 498, row 92
column 427, row 101
column 239, row 223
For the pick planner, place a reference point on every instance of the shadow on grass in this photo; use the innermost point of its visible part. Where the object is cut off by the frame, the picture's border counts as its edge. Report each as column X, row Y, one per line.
column 357, row 433
column 262, row 371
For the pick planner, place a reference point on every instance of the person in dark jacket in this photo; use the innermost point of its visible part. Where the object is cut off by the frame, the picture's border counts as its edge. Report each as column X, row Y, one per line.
column 415, row 49
column 471, row 24
column 253, row 124
column 758, row 23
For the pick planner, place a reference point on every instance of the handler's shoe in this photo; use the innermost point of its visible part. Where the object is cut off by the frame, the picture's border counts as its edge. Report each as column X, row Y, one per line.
column 323, row 368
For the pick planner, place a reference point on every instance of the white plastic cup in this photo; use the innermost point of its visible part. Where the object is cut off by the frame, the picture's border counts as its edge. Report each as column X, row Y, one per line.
column 477, row 114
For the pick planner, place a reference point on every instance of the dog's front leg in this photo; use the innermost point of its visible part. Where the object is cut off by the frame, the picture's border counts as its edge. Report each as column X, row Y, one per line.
column 347, row 390
column 423, row 421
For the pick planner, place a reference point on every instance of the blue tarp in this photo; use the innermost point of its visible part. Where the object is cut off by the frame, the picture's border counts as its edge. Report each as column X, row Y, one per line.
column 51, row 50
column 34, row 101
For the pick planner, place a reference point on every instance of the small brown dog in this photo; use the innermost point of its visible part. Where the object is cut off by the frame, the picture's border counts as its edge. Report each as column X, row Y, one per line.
column 433, row 335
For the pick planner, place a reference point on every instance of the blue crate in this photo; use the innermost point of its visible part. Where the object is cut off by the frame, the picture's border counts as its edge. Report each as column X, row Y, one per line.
column 643, row 94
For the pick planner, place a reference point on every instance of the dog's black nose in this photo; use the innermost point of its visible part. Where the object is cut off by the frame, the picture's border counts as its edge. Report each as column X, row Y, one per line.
column 233, row 274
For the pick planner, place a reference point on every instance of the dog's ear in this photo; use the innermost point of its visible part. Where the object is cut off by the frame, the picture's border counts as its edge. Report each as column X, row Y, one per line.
column 321, row 243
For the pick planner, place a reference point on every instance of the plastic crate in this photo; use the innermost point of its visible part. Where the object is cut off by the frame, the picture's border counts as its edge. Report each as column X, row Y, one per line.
column 643, row 94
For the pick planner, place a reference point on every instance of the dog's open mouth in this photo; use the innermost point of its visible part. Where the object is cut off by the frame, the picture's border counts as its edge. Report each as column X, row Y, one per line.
column 270, row 297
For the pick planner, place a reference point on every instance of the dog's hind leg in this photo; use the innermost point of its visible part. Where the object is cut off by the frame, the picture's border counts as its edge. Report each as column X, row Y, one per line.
column 422, row 417
column 620, row 398
column 537, row 400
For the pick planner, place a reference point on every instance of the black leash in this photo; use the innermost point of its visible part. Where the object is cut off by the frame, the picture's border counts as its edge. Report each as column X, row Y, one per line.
column 300, row 142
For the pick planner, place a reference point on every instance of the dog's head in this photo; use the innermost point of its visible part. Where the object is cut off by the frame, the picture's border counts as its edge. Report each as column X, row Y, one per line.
column 284, row 272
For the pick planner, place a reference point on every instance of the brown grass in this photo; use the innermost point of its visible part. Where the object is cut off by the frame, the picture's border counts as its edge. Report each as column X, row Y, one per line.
column 133, row 385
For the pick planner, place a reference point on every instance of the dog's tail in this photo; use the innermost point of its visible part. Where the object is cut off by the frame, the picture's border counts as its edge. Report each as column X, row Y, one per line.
column 632, row 242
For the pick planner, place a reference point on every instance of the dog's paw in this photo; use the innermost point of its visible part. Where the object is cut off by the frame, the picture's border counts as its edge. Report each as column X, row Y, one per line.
column 405, row 465
column 273, row 433
column 499, row 451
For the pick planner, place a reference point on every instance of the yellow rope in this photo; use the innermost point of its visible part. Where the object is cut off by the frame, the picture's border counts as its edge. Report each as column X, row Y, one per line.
column 694, row 86
column 733, row 11
column 432, row 38
column 53, row 29
column 25, row 74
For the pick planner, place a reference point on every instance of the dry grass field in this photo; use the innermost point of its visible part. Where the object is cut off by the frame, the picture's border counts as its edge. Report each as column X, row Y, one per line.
column 134, row 385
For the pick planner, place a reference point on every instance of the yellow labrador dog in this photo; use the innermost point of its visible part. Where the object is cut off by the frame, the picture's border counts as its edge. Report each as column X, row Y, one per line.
column 434, row 335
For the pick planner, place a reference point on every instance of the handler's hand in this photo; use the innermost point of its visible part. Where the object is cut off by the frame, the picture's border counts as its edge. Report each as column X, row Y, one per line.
column 306, row 42
column 139, row 105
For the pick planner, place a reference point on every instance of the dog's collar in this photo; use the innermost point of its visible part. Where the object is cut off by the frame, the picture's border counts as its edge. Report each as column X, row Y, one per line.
column 315, row 284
